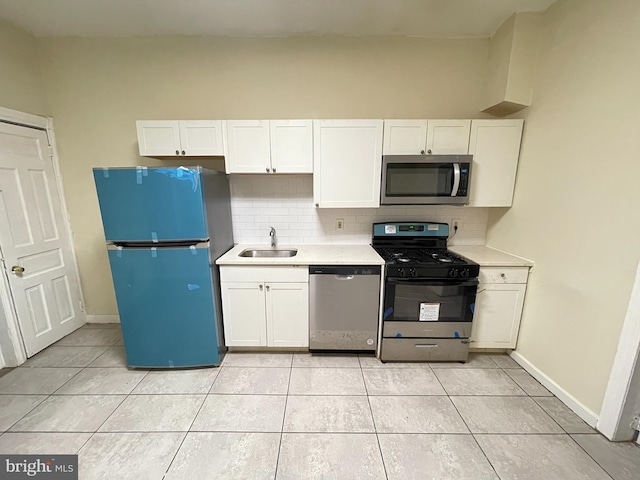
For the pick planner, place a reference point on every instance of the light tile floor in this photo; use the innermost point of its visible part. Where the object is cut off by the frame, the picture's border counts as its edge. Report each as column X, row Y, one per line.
column 297, row 416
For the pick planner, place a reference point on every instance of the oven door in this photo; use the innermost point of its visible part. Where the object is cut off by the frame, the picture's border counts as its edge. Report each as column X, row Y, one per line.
column 416, row 300
column 424, row 180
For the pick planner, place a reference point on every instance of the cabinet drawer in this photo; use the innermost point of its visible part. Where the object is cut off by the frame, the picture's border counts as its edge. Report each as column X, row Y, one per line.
column 503, row 274
column 423, row 350
column 290, row 274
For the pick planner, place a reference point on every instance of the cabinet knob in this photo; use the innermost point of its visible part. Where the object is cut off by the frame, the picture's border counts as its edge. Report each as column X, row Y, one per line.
column 422, row 152
column 267, row 169
column 261, row 287
column 268, row 288
column 502, row 275
column 317, row 205
column 429, row 151
column 177, row 152
column 274, row 170
column 17, row 269
column 183, row 152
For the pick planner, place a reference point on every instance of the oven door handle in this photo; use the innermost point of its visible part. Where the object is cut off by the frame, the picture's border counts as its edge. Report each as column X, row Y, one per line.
column 437, row 283
column 456, row 179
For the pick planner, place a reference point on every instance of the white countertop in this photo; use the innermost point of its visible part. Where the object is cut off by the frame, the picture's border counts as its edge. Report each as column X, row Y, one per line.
column 308, row 254
column 490, row 257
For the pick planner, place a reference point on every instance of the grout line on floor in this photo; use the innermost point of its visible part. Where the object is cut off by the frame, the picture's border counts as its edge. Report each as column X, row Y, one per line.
column 373, row 420
column 204, row 399
column 589, row 455
column 284, row 416
column 466, row 425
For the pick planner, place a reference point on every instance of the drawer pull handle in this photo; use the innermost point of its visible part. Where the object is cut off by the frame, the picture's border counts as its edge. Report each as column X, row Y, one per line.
column 427, row 346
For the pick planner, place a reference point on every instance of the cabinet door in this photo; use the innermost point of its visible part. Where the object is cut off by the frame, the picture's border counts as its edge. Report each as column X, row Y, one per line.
column 495, row 146
column 201, row 137
column 287, row 314
column 247, row 148
column 244, row 314
column 158, row 137
column 291, row 146
column 404, row 137
column 496, row 319
column 347, row 163
column 448, row 137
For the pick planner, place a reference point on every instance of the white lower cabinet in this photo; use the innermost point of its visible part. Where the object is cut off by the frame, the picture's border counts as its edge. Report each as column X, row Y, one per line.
column 266, row 310
column 498, row 309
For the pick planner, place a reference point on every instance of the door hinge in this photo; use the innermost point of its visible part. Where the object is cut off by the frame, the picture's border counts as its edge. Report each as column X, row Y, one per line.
column 635, row 422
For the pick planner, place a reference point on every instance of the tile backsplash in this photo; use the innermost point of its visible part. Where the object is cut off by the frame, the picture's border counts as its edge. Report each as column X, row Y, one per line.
column 286, row 203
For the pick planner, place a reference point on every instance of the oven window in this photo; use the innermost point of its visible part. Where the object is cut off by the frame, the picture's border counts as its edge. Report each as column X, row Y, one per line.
column 419, row 180
column 456, row 301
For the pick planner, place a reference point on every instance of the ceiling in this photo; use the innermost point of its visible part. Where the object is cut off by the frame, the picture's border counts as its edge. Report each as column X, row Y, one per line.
column 264, row 18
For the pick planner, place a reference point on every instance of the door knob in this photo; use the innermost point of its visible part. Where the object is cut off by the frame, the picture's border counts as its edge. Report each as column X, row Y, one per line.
column 17, row 269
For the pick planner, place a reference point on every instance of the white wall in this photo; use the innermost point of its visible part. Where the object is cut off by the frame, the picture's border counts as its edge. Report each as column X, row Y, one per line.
column 575, row 209
column 286, row 203
column 98, row 88
column 21, row 84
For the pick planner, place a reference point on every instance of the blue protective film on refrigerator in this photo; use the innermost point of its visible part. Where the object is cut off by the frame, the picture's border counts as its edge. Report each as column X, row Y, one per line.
column 151, row 204
column 166, row 306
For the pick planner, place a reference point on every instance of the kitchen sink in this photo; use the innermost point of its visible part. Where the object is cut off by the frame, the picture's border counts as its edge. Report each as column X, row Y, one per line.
column 266, row 252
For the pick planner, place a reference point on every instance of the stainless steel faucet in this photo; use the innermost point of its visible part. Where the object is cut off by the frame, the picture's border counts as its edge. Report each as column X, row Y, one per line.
column 274, row 239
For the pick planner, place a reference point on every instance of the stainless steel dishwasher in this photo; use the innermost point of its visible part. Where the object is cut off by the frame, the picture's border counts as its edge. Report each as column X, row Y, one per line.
column 343, row 307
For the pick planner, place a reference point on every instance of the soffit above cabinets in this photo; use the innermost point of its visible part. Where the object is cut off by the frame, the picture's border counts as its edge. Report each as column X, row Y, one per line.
column 264, row 18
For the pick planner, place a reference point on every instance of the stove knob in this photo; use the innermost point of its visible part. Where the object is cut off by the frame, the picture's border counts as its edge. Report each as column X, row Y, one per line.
column 413, row 272
column 464, row 273
column 453, row 273
column 402, row 272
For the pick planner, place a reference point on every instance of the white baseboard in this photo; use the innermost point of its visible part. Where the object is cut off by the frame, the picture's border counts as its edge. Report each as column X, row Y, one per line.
column 569, row 400
column 103, row 318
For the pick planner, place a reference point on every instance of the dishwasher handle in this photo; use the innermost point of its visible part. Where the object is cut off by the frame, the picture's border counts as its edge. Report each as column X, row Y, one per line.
column 344, row 277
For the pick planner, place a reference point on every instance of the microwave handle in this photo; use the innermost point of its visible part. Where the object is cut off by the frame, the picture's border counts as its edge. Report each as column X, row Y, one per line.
column 456, row 179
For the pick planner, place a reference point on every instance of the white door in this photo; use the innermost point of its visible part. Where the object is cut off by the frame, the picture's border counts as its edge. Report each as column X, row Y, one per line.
column 291, row 146
column 244, row 314
column 495, row 146
column 158, row 137
column 201, row 137
column 404, row 137
column 347, row 163
column 496, row 320
column 36, row 251
column 448, row 137
column 287, row 314
column 248, row 147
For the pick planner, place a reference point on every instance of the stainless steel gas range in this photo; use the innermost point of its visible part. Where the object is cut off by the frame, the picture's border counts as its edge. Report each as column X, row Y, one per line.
column 429, row 296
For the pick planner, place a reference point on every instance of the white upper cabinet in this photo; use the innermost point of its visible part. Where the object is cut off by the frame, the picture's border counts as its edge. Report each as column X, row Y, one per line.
column 347, row 163
column 495, row 146
column 448, row 137
column 170, row 138
column 158, row 137
column 269, row 146
column 404, row 137
column 201, row 137
column 291, row 146
column 248, row 147
column 419, row 137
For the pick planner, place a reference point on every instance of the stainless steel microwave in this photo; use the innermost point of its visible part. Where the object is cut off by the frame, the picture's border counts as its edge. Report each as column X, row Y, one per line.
column 425, row 179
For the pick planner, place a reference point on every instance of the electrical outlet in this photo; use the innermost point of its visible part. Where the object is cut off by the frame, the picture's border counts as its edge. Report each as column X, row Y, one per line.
column 339, row 223
column 454, row 225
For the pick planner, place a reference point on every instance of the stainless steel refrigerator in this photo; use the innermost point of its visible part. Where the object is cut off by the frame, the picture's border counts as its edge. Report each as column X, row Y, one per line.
column 164, row 228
